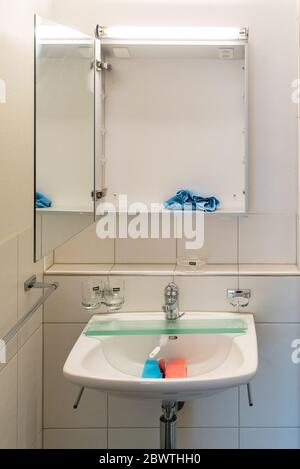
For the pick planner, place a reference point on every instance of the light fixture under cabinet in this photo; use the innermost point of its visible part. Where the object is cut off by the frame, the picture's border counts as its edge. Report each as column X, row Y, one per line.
column 172, row 33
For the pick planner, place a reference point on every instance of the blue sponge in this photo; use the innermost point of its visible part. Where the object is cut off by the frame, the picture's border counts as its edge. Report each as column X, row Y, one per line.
column 151, row 370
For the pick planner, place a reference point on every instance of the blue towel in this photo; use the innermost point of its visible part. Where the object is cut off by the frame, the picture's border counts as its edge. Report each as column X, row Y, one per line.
column 41, row 201
column 188, row 200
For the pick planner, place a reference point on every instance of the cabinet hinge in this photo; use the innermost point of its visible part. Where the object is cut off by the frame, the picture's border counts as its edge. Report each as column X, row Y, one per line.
column 102, row 66
column 100, row 194
column 99, row 31
column 244, row 33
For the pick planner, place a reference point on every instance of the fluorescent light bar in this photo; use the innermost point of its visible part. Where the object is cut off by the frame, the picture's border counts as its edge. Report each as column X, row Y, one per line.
column 56, row 32
column 172, row 33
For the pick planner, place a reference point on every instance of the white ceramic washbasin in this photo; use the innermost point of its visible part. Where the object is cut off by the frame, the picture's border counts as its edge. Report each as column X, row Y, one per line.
column 115, row 363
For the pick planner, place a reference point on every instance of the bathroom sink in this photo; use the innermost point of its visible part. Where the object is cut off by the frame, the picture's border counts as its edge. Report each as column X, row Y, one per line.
column 114, row 363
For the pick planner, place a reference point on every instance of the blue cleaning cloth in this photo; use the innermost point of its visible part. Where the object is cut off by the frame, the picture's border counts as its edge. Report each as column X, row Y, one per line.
column 151, row 370
column 41, row 201
column 188, row 200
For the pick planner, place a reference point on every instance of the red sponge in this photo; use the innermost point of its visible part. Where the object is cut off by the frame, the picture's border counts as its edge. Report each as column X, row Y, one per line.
column 176, row 369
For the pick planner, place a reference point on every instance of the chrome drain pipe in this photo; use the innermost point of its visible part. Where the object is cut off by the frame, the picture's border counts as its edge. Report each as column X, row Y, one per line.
column 168, row 423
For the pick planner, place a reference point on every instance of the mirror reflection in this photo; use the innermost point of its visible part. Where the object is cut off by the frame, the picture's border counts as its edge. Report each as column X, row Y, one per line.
column 64, row 134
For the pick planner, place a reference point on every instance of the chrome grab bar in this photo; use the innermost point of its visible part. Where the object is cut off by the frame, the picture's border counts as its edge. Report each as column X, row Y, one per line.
column 29, row 285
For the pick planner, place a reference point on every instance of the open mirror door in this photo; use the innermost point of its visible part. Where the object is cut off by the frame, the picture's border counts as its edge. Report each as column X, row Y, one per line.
column 176, row 115
column 64, row 185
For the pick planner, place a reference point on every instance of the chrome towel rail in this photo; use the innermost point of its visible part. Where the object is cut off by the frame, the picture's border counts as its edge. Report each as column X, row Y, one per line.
column 30, row 284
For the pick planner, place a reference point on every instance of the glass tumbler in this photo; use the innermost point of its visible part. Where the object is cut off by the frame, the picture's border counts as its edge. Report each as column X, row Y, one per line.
column 92, row 292
column 114, row 294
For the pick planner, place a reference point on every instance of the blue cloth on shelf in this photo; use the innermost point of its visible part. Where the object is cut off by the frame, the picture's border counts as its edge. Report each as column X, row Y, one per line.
column 41, row 201
column 189, row 200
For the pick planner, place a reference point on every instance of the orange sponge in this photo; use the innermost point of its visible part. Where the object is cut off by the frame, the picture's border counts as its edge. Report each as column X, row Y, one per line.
column 176, row 369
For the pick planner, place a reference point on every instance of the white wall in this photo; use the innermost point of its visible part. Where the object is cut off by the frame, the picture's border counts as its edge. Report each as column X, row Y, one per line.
column 21, row 377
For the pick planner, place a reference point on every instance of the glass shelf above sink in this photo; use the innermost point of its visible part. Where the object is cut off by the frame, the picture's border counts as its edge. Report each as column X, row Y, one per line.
column 164, row 327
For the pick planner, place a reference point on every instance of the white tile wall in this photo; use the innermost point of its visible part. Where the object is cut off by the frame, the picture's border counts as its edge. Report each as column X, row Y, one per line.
column 75, row 439
column 26, row 268
column 38, row 442
column 276, row 388
column 270, row 438
column 133, row 438
column 57, row 227
column 252, row 239
column 8, row 405
column 209, row 411
column 143, row 293
column 145, row 251
column 217, row 410
column 64, row 305
column 8, row 284
column 207, row 438
column 59, row 394
column 30, row 390
column 273, row 299
column 21, row 377
column 30, row 327
column 187, row 438
column 220, row 241
column 124, row 413
column 86, row 248
column 205, row 293
column 10, row 352
column 145, row 269
column 267, row 239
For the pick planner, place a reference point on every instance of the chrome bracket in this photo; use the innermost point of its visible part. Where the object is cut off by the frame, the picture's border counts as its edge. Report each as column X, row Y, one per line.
column 244, row 34
column 99, row 194
column 29, row 285
column 78, row 398
column 100, row 65
column 99, row 31
column 239, row 297
column 32, row 282
column 250, row 397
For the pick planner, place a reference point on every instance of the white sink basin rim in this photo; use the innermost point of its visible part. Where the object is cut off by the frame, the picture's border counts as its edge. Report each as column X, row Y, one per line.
column 115, row 363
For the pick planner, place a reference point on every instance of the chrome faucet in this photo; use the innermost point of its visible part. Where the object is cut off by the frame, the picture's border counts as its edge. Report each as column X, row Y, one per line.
column 171, row 306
